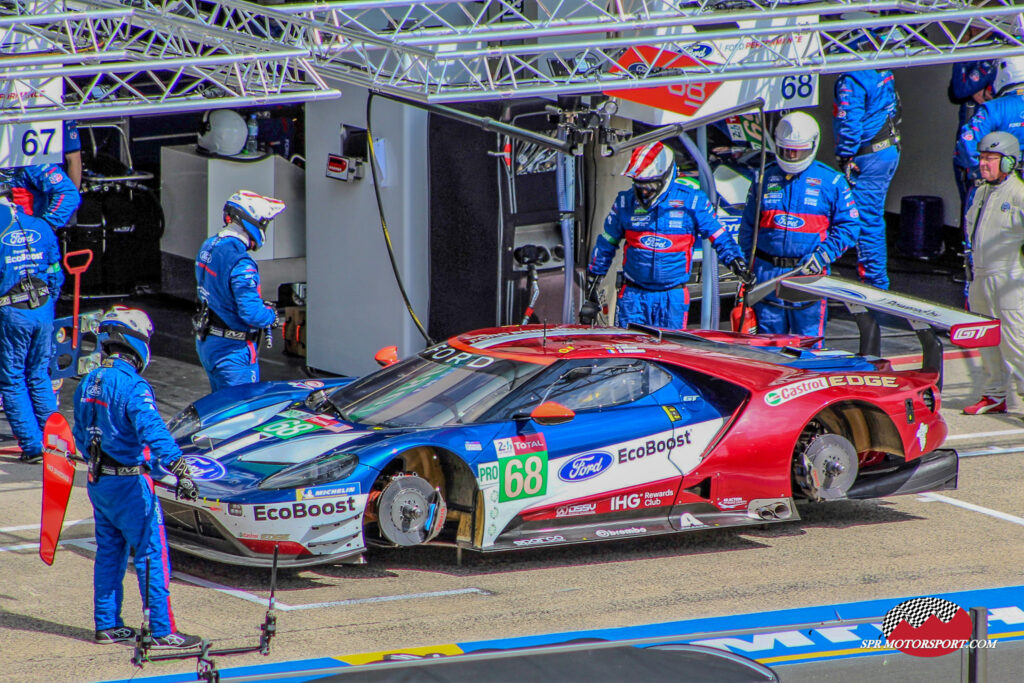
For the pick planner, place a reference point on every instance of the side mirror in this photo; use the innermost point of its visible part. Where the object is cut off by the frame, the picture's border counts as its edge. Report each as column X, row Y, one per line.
column 388, row 355
column 551, row 413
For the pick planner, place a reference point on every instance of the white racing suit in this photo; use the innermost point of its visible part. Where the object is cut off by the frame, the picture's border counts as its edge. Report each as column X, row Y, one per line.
column 995, row 229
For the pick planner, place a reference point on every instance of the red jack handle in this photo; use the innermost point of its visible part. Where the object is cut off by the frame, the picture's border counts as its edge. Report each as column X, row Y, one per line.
column 77, row 271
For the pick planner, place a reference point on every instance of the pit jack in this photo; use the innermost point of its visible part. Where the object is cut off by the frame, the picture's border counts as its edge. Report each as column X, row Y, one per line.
column 206, row 667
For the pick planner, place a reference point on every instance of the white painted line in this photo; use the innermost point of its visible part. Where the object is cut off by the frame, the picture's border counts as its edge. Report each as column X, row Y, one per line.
column 12, row 548
column 250, row 597
column 991, row 450
column 971, row 506
column 27, row 527
column 983, row 435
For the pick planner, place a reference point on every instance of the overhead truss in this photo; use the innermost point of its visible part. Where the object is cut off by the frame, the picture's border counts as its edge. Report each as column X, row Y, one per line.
column 123, row 57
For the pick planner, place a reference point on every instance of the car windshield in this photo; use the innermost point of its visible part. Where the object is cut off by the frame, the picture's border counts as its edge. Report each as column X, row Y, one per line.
column 439, row 386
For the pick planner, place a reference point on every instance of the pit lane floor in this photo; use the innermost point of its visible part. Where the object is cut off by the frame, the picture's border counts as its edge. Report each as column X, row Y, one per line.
column 972, row 538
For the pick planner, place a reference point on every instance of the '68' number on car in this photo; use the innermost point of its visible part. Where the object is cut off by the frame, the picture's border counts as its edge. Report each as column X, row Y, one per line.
column 524, row 476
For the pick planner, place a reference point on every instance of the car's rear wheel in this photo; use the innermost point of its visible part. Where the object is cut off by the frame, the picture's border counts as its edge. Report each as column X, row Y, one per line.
column 825, row 466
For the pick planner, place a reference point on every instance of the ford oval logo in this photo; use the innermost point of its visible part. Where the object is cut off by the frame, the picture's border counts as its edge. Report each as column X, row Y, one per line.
column 655, row 243
column 205, row 469
column 850, row 293
column 21, row 238
column 585, row 466
column 700, row 50
column 784, row 220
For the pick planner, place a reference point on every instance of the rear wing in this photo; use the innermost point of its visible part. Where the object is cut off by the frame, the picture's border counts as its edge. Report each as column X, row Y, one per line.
column 966, row 329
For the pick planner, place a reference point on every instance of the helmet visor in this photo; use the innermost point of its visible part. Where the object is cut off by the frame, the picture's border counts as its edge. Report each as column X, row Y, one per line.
column 648, row 190
column 795, row 155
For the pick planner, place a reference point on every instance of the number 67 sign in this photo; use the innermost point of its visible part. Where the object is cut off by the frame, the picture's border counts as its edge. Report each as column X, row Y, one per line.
column 26, row 144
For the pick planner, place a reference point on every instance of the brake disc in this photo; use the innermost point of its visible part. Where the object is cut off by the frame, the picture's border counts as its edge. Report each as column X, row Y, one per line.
column 410, row 511
column 829, row 467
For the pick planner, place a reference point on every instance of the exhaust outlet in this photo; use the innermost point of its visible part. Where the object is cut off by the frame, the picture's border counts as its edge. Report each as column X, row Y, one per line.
column 781, row 511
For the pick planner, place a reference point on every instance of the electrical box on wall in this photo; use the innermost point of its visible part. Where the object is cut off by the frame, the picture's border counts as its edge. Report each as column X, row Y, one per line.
column 343, row 168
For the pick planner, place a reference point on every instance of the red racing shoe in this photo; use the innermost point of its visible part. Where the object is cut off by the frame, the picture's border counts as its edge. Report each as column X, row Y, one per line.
column 987, row 404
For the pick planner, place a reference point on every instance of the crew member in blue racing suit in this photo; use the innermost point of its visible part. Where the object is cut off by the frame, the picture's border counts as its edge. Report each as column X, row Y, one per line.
column 808, row 218
column 970, row 87
column 121, row 435
column 233, row 315
column 45, row 191
column 867, row 146
column 30, row 274
column 1005, row 113
column 660, row 219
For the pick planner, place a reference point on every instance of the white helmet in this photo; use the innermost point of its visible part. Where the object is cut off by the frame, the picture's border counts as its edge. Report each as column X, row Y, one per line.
column 253, row 212
column 126, row 330
column 1009, row 72
column 796, row 142
column 223, row 132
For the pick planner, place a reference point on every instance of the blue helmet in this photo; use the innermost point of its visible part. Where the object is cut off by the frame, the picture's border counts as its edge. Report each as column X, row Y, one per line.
column 253, row 213
column 126, row 330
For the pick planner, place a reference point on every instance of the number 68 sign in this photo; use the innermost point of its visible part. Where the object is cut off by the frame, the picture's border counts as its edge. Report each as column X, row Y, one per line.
column 26, row 144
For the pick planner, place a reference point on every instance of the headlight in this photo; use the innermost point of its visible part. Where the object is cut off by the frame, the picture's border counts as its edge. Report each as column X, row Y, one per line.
column 323, row 470
column 184, row 423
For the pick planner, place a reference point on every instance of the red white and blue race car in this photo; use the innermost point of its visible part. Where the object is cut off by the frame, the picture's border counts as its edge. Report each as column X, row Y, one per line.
column 518, row 437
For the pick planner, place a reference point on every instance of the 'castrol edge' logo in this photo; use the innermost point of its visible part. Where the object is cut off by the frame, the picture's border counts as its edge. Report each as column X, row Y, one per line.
column 796, row 389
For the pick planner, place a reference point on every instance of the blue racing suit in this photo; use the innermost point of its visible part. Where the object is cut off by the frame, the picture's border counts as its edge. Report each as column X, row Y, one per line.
column 968, row 78
column 72, row 142
column 658, row 252
column 1005, row 113
column 799, row 213
column 864, row 121
column 116, row 406
column 45, row 191
column 228, row 281
column 29, row 272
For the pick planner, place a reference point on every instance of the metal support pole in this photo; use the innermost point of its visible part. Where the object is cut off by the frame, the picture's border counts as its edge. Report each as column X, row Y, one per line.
column 977, row 657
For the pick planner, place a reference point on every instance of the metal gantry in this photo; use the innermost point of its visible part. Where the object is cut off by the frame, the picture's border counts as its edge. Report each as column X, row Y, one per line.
column 124, row 57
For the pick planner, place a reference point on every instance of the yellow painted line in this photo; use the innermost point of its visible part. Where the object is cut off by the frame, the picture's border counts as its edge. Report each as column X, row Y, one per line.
column 371, row 657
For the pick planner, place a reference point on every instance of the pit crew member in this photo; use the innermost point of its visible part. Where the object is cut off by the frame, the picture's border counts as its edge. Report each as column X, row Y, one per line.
column 969, row 87
column 44, row 191
column 1005, row 112
column 994, row 225
column 30, row 276
column 865, row 121
column 233, row 317
column 120, row 434
column 660, row 218
column 808, row 218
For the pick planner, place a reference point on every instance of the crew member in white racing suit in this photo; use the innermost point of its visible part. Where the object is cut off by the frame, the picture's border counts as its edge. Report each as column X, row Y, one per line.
column 808, row 218
column 660, row 219
column 995, row 233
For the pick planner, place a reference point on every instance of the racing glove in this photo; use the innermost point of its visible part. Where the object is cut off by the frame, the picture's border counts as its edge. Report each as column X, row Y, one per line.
column 186, row 488
column 815, row 262
column 742, row 271
column 849, row 168
column 591, row 300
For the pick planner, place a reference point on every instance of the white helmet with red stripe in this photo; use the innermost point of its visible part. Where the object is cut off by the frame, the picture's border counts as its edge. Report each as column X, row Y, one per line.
column 652, row 167
column 796, row 142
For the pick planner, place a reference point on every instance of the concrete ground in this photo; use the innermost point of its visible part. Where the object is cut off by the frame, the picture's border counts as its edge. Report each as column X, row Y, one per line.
column 848, row 551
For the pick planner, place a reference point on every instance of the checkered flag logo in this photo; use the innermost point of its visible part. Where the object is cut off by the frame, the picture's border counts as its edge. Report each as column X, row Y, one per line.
column 916, row 611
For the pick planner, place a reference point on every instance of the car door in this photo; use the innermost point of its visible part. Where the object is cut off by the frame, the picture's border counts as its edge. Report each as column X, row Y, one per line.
column 610, row 462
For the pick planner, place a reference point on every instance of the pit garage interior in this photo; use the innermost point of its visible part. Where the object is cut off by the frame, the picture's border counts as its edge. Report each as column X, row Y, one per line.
column 438, row 149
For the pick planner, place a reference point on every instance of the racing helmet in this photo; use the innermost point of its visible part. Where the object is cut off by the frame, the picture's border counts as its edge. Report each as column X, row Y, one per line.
column 223, row 132
column 127, row 330
column 652, row 168
column 1003, row 143
column 1009, row 72
column 253, row 212
column 796, row 142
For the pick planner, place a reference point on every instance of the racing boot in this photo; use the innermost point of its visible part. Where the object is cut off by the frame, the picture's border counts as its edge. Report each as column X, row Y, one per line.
column 176, row 641
column 987, row 404
column 118, row 634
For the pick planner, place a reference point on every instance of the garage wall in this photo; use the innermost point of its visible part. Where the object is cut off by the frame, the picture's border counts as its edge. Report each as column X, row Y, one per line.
column 354, row 305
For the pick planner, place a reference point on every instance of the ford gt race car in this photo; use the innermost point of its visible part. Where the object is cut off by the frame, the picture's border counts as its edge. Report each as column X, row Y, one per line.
column 526, row 436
